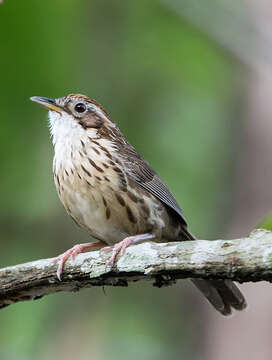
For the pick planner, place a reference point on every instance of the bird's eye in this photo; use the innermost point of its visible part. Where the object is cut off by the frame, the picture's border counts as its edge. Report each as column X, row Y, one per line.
column 80, row 107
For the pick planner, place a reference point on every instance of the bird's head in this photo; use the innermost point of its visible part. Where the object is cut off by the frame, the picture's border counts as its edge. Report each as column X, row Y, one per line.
column 74, row 113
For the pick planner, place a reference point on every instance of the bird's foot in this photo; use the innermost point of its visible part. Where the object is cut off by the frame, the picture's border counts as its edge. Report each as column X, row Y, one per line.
column 122, row 245
column 77, row 249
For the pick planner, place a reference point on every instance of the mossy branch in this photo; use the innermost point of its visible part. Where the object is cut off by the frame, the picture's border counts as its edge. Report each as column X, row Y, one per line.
column 242, row 260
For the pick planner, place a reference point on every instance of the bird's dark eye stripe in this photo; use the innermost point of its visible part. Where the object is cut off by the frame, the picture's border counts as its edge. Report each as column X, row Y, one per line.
column 80, row 107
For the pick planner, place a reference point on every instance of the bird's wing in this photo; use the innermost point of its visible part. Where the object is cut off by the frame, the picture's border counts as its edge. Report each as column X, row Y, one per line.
column 138, row 170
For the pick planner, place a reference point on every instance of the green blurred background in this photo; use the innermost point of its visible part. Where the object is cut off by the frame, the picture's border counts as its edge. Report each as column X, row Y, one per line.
column 187, row 86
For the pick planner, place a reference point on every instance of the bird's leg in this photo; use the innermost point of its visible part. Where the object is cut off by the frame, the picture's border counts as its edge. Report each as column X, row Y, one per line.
column 77, row 249
column 122, row 245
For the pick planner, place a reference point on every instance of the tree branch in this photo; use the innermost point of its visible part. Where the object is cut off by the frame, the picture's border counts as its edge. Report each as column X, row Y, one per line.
column 242, row 260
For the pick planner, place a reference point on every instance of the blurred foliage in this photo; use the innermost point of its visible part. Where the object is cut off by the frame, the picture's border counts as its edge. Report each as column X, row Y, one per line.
column 266, row 223
column 172, row 91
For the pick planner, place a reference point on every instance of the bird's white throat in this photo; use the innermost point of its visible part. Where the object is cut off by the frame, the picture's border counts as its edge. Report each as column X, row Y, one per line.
column 67, row 135
column 63, row 127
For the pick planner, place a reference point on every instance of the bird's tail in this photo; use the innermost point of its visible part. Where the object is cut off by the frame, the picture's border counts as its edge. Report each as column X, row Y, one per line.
column 224, row 295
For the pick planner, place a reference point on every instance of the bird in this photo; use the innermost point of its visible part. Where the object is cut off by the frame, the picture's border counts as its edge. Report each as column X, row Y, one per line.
column 112, row 192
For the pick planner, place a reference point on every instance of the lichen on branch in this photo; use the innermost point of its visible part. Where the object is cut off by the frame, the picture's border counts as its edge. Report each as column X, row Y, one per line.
column 242, row 260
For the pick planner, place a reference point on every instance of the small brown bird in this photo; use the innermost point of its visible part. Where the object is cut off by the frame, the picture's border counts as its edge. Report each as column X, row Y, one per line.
column 112, row 192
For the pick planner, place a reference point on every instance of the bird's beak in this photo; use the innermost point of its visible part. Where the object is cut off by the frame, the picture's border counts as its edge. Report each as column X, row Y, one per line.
column 49, row 104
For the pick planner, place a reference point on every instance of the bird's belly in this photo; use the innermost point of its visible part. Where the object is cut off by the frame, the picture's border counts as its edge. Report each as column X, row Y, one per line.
column 95, row 213
column 104, row 211
column 107, row 208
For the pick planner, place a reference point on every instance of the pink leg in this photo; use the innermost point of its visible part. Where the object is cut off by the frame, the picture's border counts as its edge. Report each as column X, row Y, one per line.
column 122, row 245
column 77, row 249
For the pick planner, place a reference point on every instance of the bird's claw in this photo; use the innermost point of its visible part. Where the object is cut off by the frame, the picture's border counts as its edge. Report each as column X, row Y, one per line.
column 116, row 249
column 77, row 249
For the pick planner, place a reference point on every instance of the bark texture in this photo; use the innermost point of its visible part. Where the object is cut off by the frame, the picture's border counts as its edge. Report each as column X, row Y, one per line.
column 242, row 260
